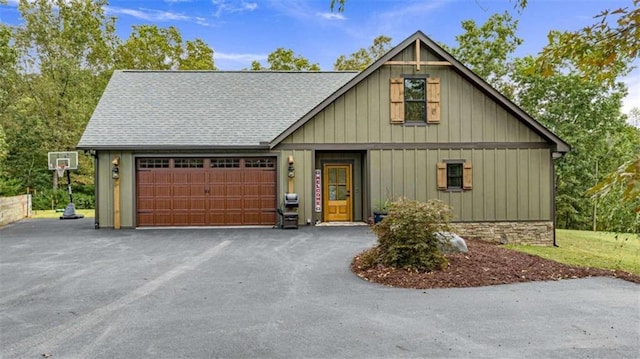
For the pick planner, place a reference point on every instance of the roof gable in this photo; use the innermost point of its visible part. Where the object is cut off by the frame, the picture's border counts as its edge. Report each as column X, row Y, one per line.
column 558, row 144
column 203, row 109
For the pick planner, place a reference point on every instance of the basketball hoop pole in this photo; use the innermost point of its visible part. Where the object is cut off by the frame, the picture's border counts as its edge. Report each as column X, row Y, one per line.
column 61, row 162
column 69, row 186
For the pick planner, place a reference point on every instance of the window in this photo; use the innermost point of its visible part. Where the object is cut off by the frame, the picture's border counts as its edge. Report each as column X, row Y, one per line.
column 188, row 163
column 259, row 163
column 414, row 100
column 154, row 163
column 225, row 163
column 454, row 175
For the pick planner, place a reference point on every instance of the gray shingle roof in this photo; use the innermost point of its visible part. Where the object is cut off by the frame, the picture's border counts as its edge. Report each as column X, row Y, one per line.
column 191, row 109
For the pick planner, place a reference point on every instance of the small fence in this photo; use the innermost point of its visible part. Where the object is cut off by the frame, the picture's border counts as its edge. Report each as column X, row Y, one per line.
column 14, row 208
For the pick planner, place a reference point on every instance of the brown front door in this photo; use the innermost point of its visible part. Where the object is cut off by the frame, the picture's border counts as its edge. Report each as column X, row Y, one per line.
column 337, row 193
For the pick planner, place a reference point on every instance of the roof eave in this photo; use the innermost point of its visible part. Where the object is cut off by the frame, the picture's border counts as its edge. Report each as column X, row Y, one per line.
column 170, row 147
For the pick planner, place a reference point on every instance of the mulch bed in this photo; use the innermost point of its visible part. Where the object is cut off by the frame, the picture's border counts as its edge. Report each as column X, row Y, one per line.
column 485, row 264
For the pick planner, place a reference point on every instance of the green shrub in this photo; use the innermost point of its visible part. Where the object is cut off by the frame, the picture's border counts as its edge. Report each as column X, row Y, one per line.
column 406, row 236
column 49, row 199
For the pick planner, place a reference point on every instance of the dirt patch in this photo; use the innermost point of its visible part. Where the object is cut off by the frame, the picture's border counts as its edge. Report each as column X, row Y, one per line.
column 485, row 264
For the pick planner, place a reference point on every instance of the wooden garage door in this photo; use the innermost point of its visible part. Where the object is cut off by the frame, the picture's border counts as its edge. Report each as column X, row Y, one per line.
column 206, row 191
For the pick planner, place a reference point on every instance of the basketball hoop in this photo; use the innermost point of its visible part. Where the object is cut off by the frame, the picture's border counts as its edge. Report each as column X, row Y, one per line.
column 60, row 169
column 62, row 164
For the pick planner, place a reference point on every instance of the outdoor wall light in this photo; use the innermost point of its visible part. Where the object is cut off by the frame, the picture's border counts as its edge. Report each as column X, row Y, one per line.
column 115, row 170
column 292, row 171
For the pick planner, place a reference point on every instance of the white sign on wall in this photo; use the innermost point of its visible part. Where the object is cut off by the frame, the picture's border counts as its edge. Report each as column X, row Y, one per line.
column 318, row 191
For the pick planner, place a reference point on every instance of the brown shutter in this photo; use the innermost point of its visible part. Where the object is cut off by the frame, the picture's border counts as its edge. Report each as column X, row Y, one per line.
column 433, row 100
column 397, row 100
column 441, row 175
column 467, row 176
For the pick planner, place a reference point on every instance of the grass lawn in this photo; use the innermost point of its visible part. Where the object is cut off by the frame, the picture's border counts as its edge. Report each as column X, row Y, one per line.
column 591, row 249
column 54, row 214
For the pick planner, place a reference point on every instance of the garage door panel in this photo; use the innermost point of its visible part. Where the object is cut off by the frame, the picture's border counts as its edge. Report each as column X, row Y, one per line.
column 217, row 190
column 267, row 217
column 252, row 190
column 233, row 218
column 145, row 219
column 217, row 204
column 162, row 177
column 266, row 190
column 252, row 217
column 180, row 203
column 162, row 203
column 234, row 176
column 145, row 191
column 162, row 190
column 162, row 218
column 181, row 190
column 222, row 191
column 146, row 203
column 234, row 190
column 197, row 204
column 233, row 203
column 215, row 218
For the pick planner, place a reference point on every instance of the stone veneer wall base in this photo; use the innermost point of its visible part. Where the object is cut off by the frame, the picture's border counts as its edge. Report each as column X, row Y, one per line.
column 535, row 233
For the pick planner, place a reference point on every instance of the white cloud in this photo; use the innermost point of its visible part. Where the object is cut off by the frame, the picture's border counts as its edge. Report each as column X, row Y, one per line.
column 156, row 15
column 175, row 1
column 331, row 16
column 239, row 57
column 231, row 6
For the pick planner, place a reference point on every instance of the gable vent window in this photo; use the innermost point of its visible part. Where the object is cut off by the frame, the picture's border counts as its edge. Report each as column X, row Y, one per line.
column 415, row 100
column 454, row 175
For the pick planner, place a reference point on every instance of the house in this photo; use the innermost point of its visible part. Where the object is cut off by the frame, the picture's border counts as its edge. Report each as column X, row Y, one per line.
column 222, row 148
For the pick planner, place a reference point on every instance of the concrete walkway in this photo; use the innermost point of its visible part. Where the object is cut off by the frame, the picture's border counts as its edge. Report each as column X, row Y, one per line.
column 70, row 291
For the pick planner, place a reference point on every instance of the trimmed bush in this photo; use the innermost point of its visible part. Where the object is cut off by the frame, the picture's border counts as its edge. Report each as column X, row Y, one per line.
column 406, row 236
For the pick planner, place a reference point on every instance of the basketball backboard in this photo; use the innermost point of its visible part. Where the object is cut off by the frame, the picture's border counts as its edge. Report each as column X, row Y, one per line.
column 69, row 159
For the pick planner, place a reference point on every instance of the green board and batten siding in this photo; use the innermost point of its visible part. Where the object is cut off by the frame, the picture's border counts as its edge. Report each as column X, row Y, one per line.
column 127, row 172
column 511, row 180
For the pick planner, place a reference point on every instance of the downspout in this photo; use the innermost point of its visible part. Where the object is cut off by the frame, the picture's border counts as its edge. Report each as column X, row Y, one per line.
column 96, row 181
column 554, row 189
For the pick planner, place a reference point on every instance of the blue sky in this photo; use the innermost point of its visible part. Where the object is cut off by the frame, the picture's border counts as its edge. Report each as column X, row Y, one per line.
column 240, row 31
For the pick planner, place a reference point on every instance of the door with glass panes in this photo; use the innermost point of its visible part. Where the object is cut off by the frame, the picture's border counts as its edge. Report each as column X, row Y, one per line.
column 337, row 193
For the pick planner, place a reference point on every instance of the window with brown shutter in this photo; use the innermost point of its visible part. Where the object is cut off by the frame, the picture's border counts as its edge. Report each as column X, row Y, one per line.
column 467, row 177
column 397, row 100
column 442, row 176
column 454, row 175
column 415, row 100
column 433, row 100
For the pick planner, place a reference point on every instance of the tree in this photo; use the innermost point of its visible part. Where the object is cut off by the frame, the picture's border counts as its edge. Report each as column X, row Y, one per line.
column 150, row 47
column 64, row 58
column 600, row 51
column 362, row 58
column 285, row 60
column 487, row 49
column 586, row 115
column 198, row 56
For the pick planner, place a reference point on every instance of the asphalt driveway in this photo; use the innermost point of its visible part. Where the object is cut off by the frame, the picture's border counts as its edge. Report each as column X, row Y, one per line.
column 70, row 291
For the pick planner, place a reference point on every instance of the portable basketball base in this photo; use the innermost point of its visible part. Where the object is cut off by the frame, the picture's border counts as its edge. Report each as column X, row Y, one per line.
column 65, row 162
